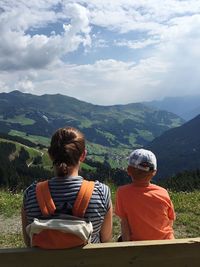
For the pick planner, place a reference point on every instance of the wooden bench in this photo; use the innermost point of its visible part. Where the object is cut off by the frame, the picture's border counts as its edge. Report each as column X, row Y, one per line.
column 179, row 252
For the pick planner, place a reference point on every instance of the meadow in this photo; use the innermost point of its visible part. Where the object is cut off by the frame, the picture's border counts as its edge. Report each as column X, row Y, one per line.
column 187, row 224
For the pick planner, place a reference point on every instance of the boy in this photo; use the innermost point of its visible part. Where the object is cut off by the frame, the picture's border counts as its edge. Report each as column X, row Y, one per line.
column 145, row 209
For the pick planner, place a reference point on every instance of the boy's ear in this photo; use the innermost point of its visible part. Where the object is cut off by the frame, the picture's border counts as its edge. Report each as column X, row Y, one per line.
column 83, row 156
column 154, row 172
column 129, row 170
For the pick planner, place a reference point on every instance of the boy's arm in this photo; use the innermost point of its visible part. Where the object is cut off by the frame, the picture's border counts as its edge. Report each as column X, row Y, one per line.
column 171, row 212
column 125, row 230
column 119, row 211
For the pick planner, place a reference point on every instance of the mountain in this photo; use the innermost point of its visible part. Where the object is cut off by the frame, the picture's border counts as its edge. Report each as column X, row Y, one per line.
column 178, row 149
column 117, row 126
column 21, row 164
column 187, row 107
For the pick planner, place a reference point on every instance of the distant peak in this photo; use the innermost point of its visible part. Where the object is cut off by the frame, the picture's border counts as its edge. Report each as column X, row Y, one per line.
column 15, row 92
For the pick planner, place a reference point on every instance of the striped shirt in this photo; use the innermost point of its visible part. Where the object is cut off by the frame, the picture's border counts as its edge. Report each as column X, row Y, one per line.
column 64, row 192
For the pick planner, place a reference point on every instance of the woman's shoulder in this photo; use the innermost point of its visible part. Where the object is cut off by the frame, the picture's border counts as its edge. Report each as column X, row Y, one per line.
column 30, row 189
column 103, row 188
column 102, row 191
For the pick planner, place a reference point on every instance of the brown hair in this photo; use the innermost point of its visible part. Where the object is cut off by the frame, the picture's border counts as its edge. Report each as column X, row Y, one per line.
column 67, row 146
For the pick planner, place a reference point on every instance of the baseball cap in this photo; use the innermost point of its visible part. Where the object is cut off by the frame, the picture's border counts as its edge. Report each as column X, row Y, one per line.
column 143, row 159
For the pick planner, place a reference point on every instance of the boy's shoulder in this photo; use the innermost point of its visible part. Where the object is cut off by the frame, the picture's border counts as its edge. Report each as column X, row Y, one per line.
column 125, row 188
column 153, row 187
column 159, row 190
column 157, row 187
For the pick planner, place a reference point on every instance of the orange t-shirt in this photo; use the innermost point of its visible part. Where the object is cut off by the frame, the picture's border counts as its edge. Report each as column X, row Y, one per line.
column 149, row 211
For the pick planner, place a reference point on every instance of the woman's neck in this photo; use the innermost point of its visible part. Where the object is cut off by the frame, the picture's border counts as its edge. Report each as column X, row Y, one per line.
column 72, row 172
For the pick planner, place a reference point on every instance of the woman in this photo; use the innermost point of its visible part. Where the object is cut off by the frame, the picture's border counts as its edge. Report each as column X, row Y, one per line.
column 67, row 151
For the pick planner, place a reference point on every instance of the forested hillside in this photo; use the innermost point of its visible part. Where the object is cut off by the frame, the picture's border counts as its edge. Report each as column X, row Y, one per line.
column 186, row 181
column 178, row 149
column 21, row 165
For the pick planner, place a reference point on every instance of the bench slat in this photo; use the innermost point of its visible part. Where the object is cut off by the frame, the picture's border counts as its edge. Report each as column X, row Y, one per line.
column 179, row 252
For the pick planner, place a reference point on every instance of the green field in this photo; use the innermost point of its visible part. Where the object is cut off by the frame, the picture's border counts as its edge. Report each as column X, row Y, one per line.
column 21, row 119
column 187, row 224
column 33, row 138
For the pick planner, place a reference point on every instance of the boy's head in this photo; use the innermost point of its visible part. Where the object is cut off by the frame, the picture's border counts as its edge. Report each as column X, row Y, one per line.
column 142, row 164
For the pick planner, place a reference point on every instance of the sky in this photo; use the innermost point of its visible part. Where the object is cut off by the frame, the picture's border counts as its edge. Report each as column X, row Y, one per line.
column 99, row 51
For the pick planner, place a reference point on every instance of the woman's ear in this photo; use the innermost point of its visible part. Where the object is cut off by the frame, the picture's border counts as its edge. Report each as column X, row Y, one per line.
column 83, row 156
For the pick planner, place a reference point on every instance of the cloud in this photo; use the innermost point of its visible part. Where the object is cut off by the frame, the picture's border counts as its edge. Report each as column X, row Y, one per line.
column 25, row 86
column 136, row 44
column 104, row 82
column 161, row 40
column 21, row 50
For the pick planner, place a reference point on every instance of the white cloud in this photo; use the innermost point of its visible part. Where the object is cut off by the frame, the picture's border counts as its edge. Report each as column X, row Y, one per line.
column 136, row 44
column 166, row 34
column 25, row 86
column 105, row 82
column 20, row 50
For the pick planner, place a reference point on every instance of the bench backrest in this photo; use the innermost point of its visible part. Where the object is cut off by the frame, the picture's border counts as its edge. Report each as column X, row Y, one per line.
column 179, row 252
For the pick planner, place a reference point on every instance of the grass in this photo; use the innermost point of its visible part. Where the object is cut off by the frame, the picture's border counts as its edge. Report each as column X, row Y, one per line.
column 11, row 240
column 21, row 119
column 33, row 138
column 187, row 207
column 10, row 204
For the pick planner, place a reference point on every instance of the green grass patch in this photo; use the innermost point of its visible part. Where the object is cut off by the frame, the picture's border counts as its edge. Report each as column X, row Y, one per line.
column 187, row 208
column 175, row 122
column 132, row 139
column 21, row 119
column 87, row 167
column 37, row 139
column 146, row 135
column 85, row 123
column 10, row 204
column 11, row 240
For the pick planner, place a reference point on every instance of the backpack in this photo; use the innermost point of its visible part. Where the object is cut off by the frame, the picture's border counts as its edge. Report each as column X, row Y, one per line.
column 63, row 231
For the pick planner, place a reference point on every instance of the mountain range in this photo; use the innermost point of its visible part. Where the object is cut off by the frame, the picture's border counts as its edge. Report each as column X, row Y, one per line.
column 111, row 131
column 127, row 126
column 187, row 107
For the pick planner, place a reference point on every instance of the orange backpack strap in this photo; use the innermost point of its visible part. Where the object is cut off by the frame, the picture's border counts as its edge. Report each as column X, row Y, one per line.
column 83, row 198
column 44, row 198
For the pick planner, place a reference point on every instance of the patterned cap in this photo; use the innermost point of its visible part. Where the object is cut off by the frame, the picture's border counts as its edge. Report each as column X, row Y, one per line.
column 143, row 159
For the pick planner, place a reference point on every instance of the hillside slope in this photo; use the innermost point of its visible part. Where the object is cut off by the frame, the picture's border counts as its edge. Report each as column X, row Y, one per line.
column 21, row 164
column 178, row 149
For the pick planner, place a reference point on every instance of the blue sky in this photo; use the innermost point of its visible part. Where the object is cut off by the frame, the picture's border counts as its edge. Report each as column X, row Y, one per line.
column 100, row 51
